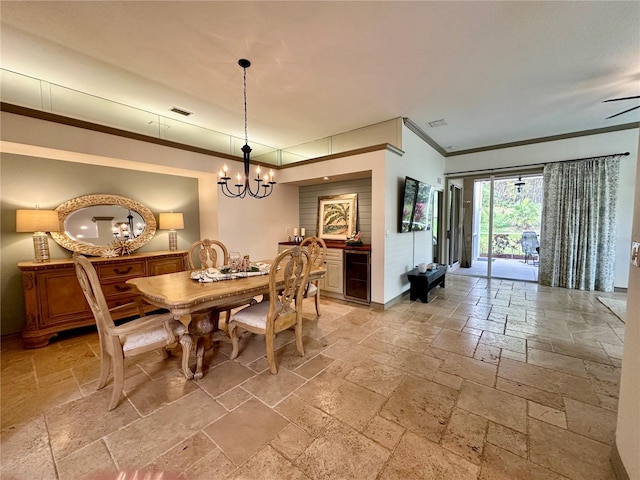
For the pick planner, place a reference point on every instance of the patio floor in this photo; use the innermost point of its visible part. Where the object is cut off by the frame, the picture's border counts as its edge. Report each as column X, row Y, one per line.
column 512, row 269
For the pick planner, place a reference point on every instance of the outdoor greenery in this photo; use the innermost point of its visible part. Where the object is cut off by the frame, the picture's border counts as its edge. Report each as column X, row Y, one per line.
column 513, row 213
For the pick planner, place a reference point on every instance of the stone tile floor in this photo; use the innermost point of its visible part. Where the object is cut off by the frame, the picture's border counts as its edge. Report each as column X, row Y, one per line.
column 490, row 380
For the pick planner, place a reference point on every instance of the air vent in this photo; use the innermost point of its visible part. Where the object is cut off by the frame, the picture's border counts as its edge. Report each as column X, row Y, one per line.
column 181, row 111
column 438, row 123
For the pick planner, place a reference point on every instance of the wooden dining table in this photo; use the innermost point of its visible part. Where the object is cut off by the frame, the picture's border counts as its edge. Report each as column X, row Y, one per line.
column 182, row 295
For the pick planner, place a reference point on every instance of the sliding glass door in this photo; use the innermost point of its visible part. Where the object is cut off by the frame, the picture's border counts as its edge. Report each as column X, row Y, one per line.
column 506, row 227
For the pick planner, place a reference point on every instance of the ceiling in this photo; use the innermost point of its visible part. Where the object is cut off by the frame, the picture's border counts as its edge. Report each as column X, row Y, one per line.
column 498, row 72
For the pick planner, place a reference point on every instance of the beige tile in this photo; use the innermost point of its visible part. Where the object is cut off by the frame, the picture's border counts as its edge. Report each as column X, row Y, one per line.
column 488, row 325
column 569, row 454
column 495, row 405
column 503, row 341
column 76, row 424
column 520, row 357
column 306, row 416
column 470, row 369
column 556, row 361
column 457, row 342
column 314, row 366
column 421, row 406
column 414, row 363
column 385, row 432
column 184, row 455
column 382, row 379
column 224, row 377
column 268, row 463
column 550, row 380
column 593, row 353
column 253, row 425
column 543, row 397
column 500, row 464
column 465, row 435
column 342, row 452
column 448, row 380
column 590, row 421
column 488, row 354
column 350, row 403
column 547, row 414
column 92, row 461
column 25, row 452
column 213, row 465
column 270, row 388
column 507, row 439
column 188, row 415
column 291, row 441
column 148, row 395
column 613, row 351
column 234, row 398
column 416, row 458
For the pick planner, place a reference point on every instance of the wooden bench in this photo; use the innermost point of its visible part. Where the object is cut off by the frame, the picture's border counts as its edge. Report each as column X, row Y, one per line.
column 423, row 283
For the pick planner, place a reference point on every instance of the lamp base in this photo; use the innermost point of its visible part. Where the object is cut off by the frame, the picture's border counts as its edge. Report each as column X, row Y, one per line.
column 41, row 247
column 173, row 240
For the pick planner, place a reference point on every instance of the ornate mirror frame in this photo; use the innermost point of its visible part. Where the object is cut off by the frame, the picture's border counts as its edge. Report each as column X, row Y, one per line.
column 85, row 201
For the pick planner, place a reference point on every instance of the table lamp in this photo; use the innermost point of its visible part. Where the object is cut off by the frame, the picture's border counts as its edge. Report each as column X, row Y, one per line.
column 39, row 222
column 172, row 222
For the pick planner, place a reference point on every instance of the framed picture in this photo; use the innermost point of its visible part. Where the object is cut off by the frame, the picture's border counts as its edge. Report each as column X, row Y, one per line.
column 337, row 216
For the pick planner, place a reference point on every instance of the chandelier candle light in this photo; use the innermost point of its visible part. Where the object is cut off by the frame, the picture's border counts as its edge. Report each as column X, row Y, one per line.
column 244, row 184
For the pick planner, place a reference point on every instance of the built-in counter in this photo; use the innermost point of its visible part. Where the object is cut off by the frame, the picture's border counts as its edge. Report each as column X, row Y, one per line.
column 348, row 276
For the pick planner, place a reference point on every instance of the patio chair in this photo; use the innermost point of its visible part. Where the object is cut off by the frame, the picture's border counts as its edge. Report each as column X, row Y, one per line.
column 530, row 245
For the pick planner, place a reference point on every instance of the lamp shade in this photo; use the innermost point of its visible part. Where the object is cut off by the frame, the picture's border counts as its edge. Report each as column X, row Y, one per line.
column 37, row 221
column 171, row 221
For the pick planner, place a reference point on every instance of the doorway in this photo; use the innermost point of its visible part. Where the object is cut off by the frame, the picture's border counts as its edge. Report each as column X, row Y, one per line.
column 506, row 227
column 455, row 200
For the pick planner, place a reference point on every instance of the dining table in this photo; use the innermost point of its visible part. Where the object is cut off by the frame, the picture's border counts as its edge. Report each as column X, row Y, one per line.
column 186, row 296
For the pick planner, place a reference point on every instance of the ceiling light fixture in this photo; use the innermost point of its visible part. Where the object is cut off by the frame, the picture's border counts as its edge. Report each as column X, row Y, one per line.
column 244, row 185
column 519, row 184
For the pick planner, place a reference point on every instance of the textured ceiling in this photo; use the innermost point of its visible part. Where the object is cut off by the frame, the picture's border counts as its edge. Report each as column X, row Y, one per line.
column 497, row 71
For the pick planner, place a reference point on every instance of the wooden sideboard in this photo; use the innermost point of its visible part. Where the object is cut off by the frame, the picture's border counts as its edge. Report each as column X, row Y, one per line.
column 54, row 301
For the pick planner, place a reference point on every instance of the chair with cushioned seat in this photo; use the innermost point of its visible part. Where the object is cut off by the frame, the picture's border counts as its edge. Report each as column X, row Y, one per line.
column 142, row 335
column 317, row 249
column 530, row 246
column 281, row 310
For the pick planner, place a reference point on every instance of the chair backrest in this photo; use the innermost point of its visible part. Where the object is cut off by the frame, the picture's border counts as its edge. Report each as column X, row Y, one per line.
column 88, row 279
column 317, row 249
column 208, row 255
column 295, row 264
column 529, row 241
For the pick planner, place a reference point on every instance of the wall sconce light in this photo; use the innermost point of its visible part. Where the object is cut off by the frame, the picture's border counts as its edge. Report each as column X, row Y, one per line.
column 39, row 222
column 172, row 222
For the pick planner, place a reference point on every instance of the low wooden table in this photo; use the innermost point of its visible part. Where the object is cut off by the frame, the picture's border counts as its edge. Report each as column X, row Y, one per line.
column 423, row 283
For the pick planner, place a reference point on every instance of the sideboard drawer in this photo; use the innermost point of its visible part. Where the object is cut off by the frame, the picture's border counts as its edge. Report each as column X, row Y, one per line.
column 54, row 301
column 127, row 270
column 118, row 288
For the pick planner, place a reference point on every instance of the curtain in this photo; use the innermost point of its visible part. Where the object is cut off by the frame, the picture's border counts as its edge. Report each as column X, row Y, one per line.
column 577, row 241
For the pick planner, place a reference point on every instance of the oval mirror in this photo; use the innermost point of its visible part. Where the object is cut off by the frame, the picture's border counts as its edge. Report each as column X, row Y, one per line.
column 92, row 222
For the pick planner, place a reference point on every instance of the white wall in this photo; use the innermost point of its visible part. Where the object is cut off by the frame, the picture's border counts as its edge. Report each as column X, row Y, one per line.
column 403, row 251
column 628, row 431
column 29, row 136
column 568, row 149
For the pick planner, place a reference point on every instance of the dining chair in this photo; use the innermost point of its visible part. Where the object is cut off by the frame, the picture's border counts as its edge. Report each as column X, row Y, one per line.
column 141, row 335
column 210, row 253
column 281, row 310
column 317, row 249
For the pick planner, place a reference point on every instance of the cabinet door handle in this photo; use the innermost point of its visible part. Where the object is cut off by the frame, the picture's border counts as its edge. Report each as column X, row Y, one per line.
column 123, row 272
column 122, row 288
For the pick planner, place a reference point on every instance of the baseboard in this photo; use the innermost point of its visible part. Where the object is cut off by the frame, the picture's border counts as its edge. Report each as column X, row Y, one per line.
column 616, row 463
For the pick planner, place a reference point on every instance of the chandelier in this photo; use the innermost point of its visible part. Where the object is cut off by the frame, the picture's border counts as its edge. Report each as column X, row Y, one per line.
column 263, row 185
